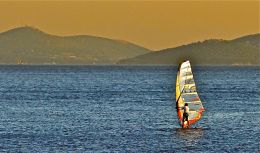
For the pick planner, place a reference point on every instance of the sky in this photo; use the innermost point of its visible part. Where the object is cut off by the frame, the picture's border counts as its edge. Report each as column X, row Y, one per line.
column 152, row 24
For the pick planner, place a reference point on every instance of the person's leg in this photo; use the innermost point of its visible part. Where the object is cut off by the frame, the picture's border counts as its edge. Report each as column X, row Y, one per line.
column 183, row 118
column 187, row 117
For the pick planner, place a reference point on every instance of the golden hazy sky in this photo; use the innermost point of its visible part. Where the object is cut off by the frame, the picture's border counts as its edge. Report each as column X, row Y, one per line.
column 152, row 24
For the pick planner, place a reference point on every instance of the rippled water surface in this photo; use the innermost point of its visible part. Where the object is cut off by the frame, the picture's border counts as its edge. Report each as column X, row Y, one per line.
column 125, row 109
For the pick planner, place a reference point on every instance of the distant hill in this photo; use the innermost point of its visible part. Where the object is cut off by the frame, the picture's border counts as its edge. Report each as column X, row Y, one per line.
column 240, row 51
column 27, row 45
column 31, row 46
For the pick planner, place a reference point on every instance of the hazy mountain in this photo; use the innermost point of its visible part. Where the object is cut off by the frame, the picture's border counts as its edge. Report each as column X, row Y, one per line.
column 240, row 51
column 32, row 46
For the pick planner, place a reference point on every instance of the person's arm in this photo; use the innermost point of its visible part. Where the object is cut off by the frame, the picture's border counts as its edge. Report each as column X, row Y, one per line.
column 180, row 108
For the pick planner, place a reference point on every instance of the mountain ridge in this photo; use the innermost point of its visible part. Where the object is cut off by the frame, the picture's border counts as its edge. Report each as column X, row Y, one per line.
column 29, row 45
column 240, row 51
column 33, row 46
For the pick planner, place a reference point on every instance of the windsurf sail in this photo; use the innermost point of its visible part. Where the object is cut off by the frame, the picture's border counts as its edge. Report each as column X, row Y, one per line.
column 186, row 92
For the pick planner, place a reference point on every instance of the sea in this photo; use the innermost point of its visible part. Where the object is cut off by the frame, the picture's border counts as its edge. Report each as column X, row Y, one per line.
column 125, row 109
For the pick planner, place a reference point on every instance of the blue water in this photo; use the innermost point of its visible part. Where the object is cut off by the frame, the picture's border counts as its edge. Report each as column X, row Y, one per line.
column 125, row 109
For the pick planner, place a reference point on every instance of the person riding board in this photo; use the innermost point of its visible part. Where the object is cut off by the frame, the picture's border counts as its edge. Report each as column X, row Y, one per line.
column 186, row 110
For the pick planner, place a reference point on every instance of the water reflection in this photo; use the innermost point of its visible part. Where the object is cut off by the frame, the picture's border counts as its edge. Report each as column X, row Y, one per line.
column 190, row 134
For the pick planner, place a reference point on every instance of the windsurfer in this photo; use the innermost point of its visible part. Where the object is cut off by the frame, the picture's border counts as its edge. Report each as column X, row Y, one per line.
column 186, row 113
column 188, row 104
